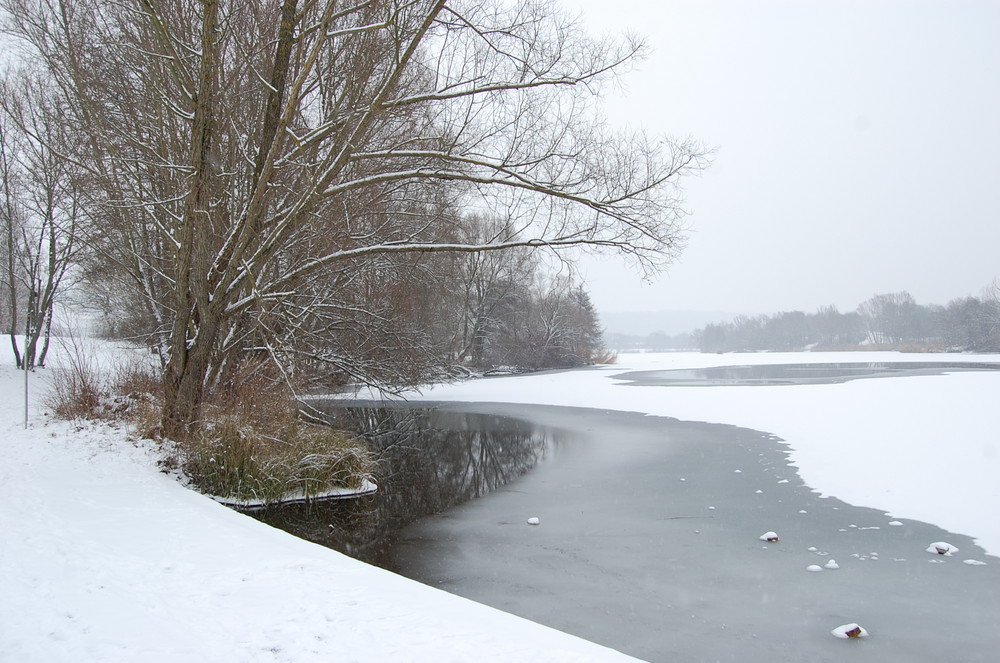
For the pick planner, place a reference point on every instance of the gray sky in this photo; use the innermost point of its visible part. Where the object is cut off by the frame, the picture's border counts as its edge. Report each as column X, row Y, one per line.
column 858, row 149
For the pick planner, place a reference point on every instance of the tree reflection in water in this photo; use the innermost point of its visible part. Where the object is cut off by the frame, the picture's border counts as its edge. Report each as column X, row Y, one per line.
column 429, row 460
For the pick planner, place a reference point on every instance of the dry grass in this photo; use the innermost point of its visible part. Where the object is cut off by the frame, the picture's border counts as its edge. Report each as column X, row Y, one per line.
column 257, row 395
column 83, row 389
column 235, row 461
column 605, row 356
column 250, row 445
column 77, row 388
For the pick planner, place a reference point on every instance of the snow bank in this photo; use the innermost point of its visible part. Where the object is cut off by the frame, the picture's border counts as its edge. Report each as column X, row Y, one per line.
column 925, row 447
column 103, row 558
column 106, row 559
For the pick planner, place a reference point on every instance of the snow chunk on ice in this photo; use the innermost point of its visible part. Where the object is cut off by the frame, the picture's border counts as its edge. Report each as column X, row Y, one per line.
column 769, row 536
column 895, row 523
column 533, row 520
column 814, row 568
column 942, row 548
column 850, row 631
column 832, row 565
column 973, row 562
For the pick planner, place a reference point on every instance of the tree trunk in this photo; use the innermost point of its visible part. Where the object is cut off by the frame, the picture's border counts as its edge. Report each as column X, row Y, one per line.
column 196, row 319
column 9, row 219
column 184, row 382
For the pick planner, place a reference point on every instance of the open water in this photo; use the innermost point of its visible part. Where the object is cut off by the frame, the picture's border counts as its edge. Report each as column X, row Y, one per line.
column 648, row 534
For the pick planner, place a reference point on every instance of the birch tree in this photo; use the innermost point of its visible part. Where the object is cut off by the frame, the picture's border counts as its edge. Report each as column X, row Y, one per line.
column 245, row 149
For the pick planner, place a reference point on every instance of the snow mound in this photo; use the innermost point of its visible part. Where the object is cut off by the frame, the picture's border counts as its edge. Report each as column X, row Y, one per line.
column 850, row 631
column 942, row 548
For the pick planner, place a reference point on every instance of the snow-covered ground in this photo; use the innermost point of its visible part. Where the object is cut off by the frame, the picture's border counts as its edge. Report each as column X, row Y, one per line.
column 104, row 558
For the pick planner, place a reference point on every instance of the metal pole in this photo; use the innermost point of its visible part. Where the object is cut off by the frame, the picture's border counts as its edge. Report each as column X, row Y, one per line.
column 25, row 361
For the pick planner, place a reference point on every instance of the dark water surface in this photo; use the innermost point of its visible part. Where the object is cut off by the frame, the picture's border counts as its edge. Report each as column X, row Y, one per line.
column 430, row 459
column 795, row 374
column 648, row 542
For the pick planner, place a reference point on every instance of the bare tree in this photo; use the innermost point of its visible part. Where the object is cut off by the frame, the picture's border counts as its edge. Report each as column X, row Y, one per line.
column 489, row 284
column 10, row 216
column 243, row 148
column 562, row 326
column 41, row 212
column 890, row 318
column 991, row 301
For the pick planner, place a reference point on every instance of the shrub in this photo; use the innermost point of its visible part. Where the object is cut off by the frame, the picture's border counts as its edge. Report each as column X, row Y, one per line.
column 238, row 463
column 604, row 356
column 76, row 387
column 256, row 394
column 80, row 388
column 250, row 446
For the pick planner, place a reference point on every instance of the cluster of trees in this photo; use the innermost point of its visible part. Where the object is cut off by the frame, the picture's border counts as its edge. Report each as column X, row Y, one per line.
column 657, row 341
column 353, row 190
column 893, row 320
column 40, row 212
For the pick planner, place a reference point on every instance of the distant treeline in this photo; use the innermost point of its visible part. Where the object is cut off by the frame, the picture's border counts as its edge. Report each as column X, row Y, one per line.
column 890, row 321
column 656, row 341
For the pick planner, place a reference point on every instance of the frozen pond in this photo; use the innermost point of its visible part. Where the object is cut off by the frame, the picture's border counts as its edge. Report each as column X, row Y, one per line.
column 794, row 374
column 648, row 534
column 649, row 542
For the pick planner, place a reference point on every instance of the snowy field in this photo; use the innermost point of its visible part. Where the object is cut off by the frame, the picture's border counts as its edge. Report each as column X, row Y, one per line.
column 103, row 558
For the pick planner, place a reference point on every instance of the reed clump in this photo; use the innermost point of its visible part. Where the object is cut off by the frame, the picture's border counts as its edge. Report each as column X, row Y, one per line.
column 242, row 464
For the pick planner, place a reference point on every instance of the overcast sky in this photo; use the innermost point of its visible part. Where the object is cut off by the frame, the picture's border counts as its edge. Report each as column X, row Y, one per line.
column 858, row 149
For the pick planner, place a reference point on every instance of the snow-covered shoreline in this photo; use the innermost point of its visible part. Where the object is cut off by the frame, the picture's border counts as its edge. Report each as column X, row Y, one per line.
column 104, row 558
